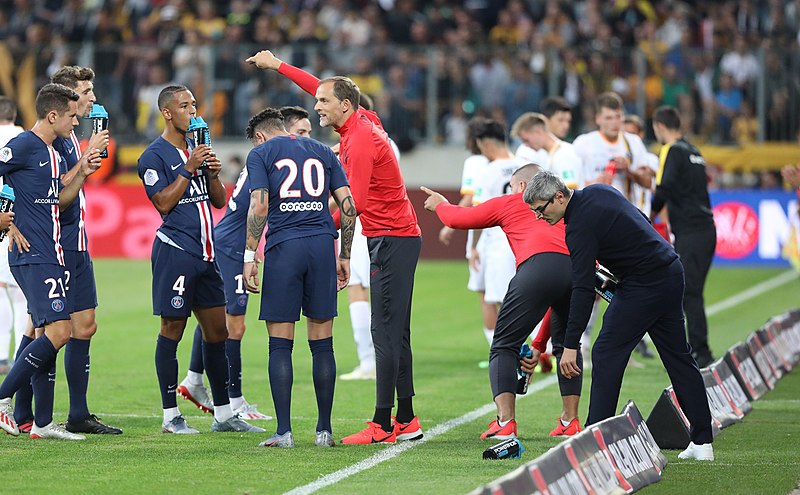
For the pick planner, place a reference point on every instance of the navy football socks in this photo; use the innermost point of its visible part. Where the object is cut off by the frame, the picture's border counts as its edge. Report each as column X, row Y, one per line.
column 280, row 380
column 167, row 370
column 196, row 361
column 217, row 370
column 76, row 365
column 324, row 373
column 233, row 349
column 23, row 399
column 39, row 355
column 44, row 389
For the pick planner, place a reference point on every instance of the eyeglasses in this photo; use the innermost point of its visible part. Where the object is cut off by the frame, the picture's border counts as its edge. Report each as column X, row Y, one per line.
column 539, row 210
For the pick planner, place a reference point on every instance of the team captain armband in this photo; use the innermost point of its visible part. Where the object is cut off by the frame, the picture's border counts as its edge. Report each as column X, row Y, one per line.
column 249, row 256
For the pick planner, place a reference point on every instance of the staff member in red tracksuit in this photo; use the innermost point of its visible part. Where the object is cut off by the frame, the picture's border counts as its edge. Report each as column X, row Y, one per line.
column 542, row 281
column 393, row 238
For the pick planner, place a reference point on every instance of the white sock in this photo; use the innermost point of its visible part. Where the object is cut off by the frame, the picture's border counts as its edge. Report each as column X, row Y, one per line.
column 6, row 320
column 489, row 334
column 360, row 318
column 223, row 413
column 565, row 423
column 171, row 413
column 237, row 402
column 502, row 423
column 194, row 378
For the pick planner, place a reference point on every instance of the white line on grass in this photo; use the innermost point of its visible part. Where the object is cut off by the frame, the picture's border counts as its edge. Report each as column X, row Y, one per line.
column 395, row 450
column 754, row 291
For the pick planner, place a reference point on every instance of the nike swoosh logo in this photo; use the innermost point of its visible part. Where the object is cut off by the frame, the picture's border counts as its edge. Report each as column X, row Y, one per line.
column 34, row 357
column 70, row 150
column 381, row 440
column 175, row 167
column 42, row 164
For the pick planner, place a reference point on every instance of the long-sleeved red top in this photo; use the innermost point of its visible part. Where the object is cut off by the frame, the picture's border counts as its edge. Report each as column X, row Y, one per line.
column 376, row 183
column 526, row 235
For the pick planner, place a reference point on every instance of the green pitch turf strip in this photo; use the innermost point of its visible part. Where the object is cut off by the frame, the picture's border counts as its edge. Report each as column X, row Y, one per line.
column 448, row 344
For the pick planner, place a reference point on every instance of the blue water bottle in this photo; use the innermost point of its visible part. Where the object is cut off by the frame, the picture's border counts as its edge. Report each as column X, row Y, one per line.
column 99, row 118
column 7, row 199
column 200, row 134
column 522, row 382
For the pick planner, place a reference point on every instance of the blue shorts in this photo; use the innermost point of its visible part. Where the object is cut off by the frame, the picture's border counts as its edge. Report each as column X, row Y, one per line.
column 80, row 283
column 236, row 295
column 299, row 273
column 182, row 282
column 45, row 289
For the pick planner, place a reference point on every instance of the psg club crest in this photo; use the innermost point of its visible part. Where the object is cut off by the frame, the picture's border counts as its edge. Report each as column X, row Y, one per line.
column 177, row 302
column 242, row 300
column 58, row 305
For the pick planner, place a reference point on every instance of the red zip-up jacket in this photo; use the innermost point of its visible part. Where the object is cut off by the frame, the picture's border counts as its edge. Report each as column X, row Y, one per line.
column 376, row 183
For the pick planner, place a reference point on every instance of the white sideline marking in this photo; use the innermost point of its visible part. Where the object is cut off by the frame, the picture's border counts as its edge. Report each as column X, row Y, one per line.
column 395, row 450
column 399, row 448
column 752, row 292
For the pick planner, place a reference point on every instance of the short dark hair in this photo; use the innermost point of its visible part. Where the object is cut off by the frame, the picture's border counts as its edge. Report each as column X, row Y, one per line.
column 167, row 95
column 609, row 100
column 345, row 89
column 292, row 114
column 54, row 97
column 668, row 116
column 554, row 104
column 367, row 102
column 8, row 109
column 490, row 129
column 527, row 172
column 269, row 119
column 71, row 74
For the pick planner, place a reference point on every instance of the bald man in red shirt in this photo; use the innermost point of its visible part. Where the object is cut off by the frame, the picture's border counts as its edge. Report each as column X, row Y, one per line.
column 393, row 238
column 542, row 281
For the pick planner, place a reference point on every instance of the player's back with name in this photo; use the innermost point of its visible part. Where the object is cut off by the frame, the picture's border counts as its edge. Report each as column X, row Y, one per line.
column 33, row 169
column 228, row 233
column 298, row 173
column 189, row 224
column 73, row 232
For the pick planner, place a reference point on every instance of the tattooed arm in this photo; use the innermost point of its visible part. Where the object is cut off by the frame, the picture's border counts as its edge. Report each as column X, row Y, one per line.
column 256, row 221
column 348, row 224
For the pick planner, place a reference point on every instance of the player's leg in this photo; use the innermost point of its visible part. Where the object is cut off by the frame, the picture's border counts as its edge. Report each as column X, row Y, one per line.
column 477, row 283
column 44, row 287
column 22, row 320
column 360, row 312
column 6, row 323
column 570, row 388
column 500, row 267
column 281, row 300
column 209, row 308
column 696, row 251
column 174, row 274
column 319, row 307
column 191, row 388
column 23, row 399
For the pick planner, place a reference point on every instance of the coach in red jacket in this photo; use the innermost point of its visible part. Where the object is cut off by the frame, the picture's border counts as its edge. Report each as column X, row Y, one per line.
column 542, row 281
column 393, row 238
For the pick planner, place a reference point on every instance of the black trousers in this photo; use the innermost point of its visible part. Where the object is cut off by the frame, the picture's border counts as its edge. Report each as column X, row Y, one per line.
column 542, row 281
column 639, row 305
column 696, row 250
column 393, row 262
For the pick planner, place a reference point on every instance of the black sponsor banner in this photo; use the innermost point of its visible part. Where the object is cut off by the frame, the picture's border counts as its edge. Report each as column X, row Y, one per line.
column 625, row 448
column 554, row 474
column 636, row 419
column 773, row 351
column 722, row 409
column 669, row 425
column 600, row 475
column 781, row 342
column 761, row 360
column 730, row 385
column 746, row 373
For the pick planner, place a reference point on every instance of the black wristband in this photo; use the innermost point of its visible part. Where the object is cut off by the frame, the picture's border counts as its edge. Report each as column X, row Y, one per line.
column 185, row 173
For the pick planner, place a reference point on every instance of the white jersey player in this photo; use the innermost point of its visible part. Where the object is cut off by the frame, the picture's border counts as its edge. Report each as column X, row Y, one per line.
column 553, row 154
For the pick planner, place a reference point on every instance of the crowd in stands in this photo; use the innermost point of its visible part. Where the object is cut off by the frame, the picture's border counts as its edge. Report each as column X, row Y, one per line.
column 730, row 66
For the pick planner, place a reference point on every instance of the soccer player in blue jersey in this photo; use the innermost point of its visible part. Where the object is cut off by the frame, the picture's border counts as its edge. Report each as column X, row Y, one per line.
column 182, row 181
column 79, row 270
column 31, row 165
column 230, row 238
column 290, row 179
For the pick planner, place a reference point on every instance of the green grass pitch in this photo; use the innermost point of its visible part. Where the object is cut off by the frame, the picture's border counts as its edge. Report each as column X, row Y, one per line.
column 758, row 456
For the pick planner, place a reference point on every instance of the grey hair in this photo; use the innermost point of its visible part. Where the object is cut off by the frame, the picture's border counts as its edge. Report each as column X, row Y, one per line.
column 544, row 186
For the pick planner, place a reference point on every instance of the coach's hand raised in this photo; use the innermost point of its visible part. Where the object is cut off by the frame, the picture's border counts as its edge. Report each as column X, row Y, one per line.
column 434, row 199
column 265, row 60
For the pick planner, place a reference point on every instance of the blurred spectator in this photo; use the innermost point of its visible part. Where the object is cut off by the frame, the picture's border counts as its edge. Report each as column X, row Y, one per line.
column 523, row 93
column 745, row 126
column 741, row 64
column 729, row 103
column 489, row 77
column 672, row 86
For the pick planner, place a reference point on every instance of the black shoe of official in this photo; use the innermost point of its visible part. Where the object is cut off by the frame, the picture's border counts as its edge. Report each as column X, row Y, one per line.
column 644, row 350
column 92, row 426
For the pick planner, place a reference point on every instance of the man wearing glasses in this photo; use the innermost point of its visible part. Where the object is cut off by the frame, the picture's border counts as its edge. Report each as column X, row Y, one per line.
column 601, row 225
